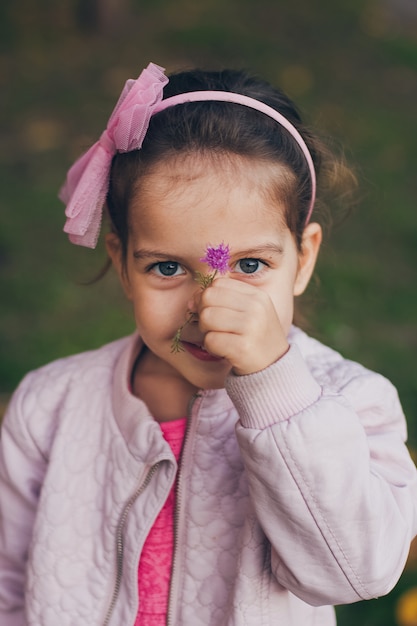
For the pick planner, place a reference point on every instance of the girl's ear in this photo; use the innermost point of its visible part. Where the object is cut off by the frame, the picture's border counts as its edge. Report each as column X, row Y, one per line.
column 312, row 237
column 114, row 250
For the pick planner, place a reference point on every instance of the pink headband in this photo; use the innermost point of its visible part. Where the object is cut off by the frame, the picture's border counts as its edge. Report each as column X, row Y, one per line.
column 87, row 183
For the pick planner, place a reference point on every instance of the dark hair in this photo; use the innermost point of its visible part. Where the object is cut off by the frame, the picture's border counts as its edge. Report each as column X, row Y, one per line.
column 223, row 128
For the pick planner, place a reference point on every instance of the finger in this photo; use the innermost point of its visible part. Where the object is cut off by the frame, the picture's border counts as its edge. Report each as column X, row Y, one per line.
column 223, row 319
column 226, row 345
column 233, row 283
column 226, row 295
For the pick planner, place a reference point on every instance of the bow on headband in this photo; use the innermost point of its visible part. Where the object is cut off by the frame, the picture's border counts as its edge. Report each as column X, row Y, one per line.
column 87, row 182
column 86, row 186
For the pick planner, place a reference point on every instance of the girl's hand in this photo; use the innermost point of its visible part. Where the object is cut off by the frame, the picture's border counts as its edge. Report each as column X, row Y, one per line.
column 240, row 323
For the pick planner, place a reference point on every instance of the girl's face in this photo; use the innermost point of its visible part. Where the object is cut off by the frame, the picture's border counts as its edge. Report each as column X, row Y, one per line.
column 182, row 206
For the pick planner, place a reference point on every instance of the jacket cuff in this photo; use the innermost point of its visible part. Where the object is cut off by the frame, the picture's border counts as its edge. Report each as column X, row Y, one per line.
column 274, row 394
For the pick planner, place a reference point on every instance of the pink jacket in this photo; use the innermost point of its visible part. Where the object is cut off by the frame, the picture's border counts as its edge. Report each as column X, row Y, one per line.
column 295, row 492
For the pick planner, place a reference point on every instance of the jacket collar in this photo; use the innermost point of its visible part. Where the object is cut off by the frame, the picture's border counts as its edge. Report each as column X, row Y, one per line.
column 140, row 431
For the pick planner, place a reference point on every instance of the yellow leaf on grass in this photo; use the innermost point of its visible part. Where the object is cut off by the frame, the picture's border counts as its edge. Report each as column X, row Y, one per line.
column 406, row 609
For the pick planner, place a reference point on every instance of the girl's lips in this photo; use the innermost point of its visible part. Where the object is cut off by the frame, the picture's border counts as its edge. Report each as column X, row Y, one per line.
column 199, row 353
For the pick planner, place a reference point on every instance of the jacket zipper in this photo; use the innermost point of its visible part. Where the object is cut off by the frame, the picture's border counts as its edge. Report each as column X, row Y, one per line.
column 178, row 498
column 120, row 542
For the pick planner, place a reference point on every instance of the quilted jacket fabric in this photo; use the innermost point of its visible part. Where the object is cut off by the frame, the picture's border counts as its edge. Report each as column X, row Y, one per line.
column 295, row 492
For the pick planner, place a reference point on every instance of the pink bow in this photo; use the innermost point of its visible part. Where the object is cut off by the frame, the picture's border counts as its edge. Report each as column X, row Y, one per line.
column 87, row 183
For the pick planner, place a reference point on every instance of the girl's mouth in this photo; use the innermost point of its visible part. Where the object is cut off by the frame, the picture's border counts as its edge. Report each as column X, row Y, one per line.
column 199, row 352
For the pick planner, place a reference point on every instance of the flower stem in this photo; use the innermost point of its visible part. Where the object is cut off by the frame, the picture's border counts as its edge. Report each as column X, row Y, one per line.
column 176, row 345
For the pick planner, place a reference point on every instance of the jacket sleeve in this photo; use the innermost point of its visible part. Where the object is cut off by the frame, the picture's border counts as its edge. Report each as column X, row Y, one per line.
column 331, row 480
column 22, row 467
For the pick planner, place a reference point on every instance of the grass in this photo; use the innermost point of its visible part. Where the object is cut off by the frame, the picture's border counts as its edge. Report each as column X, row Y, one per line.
column 350, row 66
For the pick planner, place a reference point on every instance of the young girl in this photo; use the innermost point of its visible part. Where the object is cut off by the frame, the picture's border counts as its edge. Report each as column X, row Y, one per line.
column 219, row 467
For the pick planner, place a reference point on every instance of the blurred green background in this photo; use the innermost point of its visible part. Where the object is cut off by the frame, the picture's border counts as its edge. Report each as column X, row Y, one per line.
column 351, row 65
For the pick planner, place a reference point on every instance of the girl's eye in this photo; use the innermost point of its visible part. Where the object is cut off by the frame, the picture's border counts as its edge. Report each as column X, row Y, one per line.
column 249, row 266
column 167, row 269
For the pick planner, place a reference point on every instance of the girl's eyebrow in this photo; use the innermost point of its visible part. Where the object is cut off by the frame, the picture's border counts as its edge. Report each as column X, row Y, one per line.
column 143, row 255
column 264, row 249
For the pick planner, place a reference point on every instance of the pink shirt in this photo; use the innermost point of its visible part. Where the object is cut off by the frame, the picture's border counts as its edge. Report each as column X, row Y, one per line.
column 155, row 563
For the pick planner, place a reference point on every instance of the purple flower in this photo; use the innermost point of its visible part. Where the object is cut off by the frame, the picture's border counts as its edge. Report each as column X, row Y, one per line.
column 217, row 258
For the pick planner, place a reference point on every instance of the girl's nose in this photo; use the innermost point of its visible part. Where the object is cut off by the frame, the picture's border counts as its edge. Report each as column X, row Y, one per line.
column 192, row 306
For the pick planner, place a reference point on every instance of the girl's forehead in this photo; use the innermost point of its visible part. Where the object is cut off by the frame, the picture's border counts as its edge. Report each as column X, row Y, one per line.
column 205, row 203
column 211, row 183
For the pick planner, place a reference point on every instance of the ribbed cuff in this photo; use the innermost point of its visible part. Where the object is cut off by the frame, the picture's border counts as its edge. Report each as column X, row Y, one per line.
column 274, row 394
